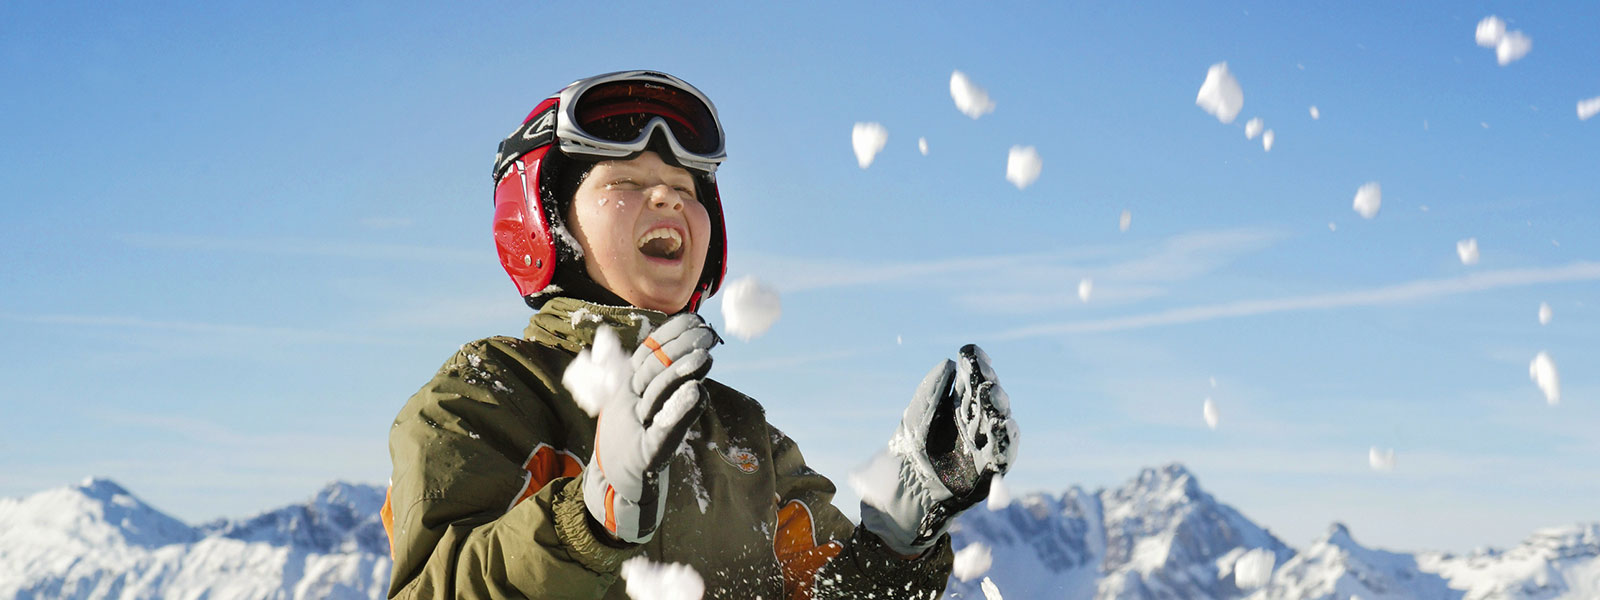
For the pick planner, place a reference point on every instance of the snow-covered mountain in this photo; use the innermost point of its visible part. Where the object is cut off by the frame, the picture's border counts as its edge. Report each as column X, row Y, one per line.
column 96, row 540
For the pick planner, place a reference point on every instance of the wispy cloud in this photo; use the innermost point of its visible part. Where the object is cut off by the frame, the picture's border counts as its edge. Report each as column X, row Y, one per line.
column 1393, row 294
column 287, row 334
column 305, row 247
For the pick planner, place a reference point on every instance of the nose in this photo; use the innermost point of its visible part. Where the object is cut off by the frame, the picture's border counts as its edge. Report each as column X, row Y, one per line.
column 664, row 196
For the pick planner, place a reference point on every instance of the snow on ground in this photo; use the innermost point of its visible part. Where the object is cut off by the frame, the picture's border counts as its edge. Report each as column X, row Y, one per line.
column 1315, row 114
column 970, row 99
column 1380, row 460
column 922, row 145
column 1252, row 128
column 1543, row 372
column 1508, row 45
column 598, row 372
column 750, row 307
column 1267, row 139
column 868, row 139
column 1124, row 222
column 1023, row 166
column 1368, row 199
column 1588, row 108
column 1254, row 568
column 1220, row 94
column 999, row 496
column 1085, row 287
column 652, row 581
column 1544, row 313
column 972, row 561
column 1209, row 410
column 1467, row 249
column 990, row 591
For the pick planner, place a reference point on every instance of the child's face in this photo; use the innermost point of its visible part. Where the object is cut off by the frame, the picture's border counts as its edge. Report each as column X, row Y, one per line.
column 644, row 233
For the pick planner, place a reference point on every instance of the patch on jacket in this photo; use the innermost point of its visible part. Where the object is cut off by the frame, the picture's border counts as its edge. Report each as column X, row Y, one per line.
column 741, row 459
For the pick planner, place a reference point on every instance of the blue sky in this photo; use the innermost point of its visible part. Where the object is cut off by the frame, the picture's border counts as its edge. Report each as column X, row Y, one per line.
column 237, row 237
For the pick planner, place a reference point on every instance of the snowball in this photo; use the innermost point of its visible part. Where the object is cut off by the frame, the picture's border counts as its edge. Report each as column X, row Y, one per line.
column 970, row 99
column 1544, row 313
column 1267, row 139
column 922, row 145
column 750, row 307
column 1022, row 166
column 1368, row 199
column 1085, row 286
column 1220, row 94
column 1588, row 108
column 1543, row 372
column 1513, row 46
column 1490, row 30
column 1315, row 114
column 990, row 592
column 868, row 139
column 1254, row 568
column 653, row 581
column 1125, row 221
column 1381, row 460
column 1209, row 411
column 1252, row 128
column 999, row 496
column 972, row 561
column 876, row 482
column 1332, row 226
column 1467, row 249
column 899, row 340
column 598, row 372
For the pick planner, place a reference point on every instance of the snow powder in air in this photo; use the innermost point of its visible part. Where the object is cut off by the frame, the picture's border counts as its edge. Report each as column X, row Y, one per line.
column 1213, row 381
column 598, row 372
column 1085, row 287
column 1125, row 221
column 876, row 482
column 1543, row 372
column 1254, row 568
column 1332, row 226
column 970, row 99
column 922, row 145
column 750, row 307
column 868, row 139
column 1467, row 249
column 1508, row 45
column 1490, row 30
column 1588, row 108
column 1368, row 199
column 972, row 561
column 990, row 591
column 1380, row 460
column 653, row 581
column 1022, row 166
column 1252, row 128
column 1315, row 114
column 999, row 496
column 1220, row 94
column 1209, row 410
column 1267, row 139
column 1544, row 313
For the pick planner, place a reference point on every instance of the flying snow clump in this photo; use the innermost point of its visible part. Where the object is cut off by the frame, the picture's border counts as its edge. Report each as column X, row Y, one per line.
column 598, row 372
column 1254, row 568
column 970, row 99
column 1125, row 222
column 1508, row 45
column 1315, row 114
column 972, row 561
column 1085, row 287
column 990, row 590
column 1267, row 139
column 1368, row 199
column 1543, row 372
column 1544, row 313
column 1467, row 249
column 1380, row 460
column 1252, row 128
column 1220, row 94
column 750, row 307
column 1022, row 166
column 922, row 145
column 653, row 581
column 1588, row 108
column 868, row 139
column 999, row 496
column 1209, row 411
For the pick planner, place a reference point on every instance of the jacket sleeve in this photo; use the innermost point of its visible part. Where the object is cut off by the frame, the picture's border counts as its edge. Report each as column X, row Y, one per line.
column 824, row 555
column 486, row 497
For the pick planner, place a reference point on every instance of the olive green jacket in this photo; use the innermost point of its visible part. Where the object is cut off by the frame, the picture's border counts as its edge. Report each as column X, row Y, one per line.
column 485, row 500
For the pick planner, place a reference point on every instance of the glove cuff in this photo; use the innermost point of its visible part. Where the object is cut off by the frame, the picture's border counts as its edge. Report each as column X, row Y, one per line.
column 632, row 521
column 904, row 513
column 584, row 541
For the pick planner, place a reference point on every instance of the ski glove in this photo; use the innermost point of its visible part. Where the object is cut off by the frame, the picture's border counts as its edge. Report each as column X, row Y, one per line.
column 956, row 436
column 641, row 426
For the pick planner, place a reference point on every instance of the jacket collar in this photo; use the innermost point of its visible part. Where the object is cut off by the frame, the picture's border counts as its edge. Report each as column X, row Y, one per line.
column 570, row 324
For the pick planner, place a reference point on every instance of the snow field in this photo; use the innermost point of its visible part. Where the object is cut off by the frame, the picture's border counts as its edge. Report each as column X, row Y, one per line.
column 750, row 307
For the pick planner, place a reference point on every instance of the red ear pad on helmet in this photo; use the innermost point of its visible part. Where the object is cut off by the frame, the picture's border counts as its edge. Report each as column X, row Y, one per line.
column 520, row 232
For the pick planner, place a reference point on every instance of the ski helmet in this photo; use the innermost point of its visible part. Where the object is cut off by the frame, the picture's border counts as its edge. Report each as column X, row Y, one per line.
column 615, row 116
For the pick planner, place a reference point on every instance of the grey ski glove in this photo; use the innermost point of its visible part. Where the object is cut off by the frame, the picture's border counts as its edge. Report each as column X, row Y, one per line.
column 643, row 423
column 956, row 436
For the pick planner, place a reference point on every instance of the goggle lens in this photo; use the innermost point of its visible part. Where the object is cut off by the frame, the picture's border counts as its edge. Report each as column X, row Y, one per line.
column 619, row 112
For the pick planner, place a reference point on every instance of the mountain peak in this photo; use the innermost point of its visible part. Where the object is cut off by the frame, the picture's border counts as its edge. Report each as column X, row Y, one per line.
column 102, row 488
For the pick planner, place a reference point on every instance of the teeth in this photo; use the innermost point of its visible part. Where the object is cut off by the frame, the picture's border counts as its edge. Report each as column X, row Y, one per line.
column 674, row 241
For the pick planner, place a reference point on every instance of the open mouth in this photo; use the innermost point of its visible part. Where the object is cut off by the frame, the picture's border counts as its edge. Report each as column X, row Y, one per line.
column 664, row 243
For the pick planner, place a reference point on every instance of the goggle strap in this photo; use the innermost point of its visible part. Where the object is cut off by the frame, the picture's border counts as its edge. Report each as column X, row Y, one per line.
column 540, row 130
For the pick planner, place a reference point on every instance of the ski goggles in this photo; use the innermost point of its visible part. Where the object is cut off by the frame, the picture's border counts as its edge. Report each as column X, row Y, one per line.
column 617, row 115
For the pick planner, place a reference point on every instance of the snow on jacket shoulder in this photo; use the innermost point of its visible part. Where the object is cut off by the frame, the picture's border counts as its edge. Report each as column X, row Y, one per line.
column 485, row 499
